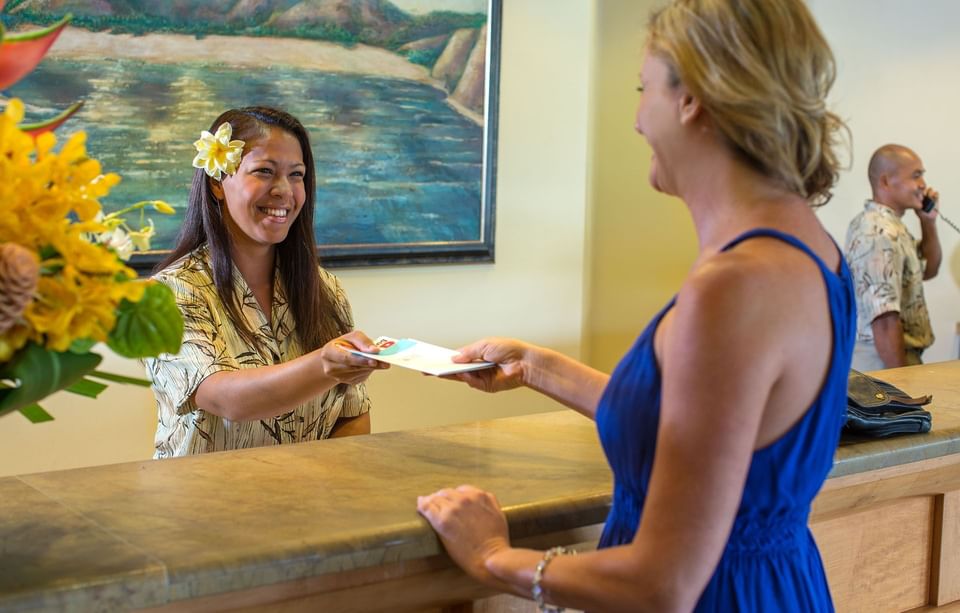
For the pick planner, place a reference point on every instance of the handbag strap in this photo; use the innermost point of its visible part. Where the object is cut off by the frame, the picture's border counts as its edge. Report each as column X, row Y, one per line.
column 869, row 392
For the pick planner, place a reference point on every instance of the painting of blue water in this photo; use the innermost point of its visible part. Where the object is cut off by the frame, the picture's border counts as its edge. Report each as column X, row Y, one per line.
column 396, row 164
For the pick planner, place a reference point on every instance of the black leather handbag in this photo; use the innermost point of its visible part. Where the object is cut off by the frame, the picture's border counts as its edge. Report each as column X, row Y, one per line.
column 877, row 409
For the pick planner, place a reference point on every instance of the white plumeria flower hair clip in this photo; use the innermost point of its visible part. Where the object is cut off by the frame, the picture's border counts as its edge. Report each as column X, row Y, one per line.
column 216, row 153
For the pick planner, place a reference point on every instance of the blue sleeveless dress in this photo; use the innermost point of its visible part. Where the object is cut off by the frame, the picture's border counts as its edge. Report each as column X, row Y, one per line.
column 771, row 562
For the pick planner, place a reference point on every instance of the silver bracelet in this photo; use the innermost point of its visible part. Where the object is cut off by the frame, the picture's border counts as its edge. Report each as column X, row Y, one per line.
column 537, row 589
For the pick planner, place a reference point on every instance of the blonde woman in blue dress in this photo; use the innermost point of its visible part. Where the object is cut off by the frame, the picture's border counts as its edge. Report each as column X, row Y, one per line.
column 721, row 422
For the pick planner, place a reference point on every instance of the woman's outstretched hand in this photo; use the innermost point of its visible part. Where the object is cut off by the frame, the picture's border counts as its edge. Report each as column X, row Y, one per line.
column 470, row 525
column 512, row 359
column 345, row 367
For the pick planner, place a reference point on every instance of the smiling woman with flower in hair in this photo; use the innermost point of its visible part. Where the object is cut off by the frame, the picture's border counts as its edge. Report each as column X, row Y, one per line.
column 263, row 360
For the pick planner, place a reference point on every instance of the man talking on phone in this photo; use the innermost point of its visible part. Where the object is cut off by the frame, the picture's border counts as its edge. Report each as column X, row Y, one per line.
column 889, row 265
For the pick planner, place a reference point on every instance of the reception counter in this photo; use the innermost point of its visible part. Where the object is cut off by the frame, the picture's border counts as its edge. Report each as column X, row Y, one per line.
column 332, row 526
column 888, row 518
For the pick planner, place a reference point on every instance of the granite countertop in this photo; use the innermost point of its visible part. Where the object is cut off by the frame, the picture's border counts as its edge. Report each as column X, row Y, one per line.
column 147, row 533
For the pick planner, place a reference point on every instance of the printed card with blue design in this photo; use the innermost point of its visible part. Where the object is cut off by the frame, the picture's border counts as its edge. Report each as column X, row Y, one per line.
column 417, row 355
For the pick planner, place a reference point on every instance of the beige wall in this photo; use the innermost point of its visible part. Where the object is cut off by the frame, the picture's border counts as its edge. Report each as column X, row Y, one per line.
column 898, row 82
column 116, row 427
column 534, row 290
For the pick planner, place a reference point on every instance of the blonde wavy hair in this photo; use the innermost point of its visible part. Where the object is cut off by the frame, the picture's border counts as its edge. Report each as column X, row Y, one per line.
column 762, row 70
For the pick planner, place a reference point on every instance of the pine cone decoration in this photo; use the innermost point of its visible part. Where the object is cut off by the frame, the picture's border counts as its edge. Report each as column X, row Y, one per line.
column 19, row 273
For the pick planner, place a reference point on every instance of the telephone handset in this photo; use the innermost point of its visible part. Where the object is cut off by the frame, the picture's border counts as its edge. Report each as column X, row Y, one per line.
column 929, row 204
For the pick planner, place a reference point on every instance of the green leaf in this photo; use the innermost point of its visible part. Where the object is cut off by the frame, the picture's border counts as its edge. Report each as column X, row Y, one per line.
column 36, row 414
column 86, row 387
column 33, row 35
column 109, row 376
column 149, row 327
column 82, row 345
column 41, row 372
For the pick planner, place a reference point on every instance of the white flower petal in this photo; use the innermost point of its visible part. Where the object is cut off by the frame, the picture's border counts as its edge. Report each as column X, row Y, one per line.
column 217, row 153
column 224, row 132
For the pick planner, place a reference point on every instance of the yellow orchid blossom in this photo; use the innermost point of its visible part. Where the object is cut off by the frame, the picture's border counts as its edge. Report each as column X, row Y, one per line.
column 57, row 302
column 51, row 206
column 216, row 153
column 13, row 340
column 14, row 111
column 141, row 238
column 122, row 238
column 14, row 144
column 163, row 207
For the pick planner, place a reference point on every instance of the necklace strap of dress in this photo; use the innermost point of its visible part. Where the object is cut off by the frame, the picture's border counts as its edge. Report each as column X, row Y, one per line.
column 787, row 238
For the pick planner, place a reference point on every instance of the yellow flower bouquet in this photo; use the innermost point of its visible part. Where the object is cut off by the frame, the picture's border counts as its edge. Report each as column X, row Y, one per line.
column 64, row 281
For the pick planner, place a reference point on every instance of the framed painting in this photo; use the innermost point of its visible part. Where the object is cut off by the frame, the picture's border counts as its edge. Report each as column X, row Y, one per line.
column 399, row 97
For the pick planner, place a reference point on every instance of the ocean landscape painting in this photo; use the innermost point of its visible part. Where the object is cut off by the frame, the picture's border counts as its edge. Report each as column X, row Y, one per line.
column 399, row 97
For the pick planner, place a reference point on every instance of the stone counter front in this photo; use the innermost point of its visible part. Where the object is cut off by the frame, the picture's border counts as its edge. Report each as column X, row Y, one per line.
column 149, row 533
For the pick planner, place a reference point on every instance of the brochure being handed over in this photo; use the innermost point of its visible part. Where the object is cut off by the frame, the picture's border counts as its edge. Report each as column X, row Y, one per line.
column 421, row 356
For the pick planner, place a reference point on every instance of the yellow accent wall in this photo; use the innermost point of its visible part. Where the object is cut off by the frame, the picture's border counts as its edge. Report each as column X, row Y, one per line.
column 641, row 243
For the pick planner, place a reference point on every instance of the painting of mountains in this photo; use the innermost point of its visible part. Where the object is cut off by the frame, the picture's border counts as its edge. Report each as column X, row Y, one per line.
column 399, row 97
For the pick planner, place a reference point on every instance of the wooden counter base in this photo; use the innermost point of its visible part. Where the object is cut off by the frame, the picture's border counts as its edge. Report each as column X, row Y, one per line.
column 890, row 538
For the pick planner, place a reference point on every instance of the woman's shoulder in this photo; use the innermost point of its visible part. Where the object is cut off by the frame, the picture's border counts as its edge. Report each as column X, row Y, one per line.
column 326, row 276
column 725, row 276
column 336, row 289
column 191, row 269
column 743, row 297
column 764, row 266
column 779, row 251
column 330, row 280
column 741, row 261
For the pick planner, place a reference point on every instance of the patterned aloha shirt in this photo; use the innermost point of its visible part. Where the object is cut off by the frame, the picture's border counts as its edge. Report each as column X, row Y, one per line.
column 211, row 343
column 887, row 274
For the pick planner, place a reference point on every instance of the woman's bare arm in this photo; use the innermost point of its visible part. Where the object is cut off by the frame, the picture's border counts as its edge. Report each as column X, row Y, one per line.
column 268, row 391
column 549, row 372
